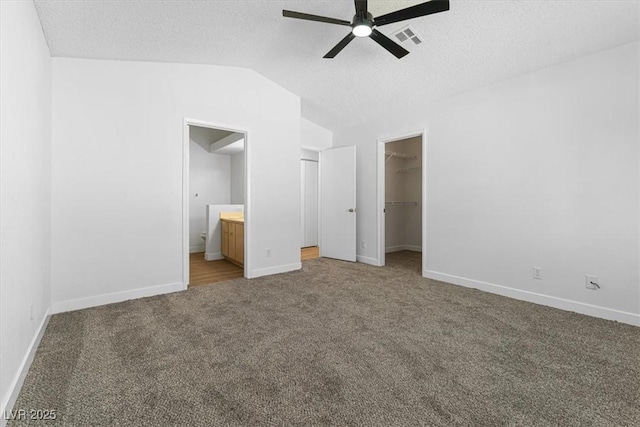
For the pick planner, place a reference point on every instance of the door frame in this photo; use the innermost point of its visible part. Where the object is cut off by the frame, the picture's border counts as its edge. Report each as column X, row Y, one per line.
column 319, row 151
column 185, row 193
column 380, row 216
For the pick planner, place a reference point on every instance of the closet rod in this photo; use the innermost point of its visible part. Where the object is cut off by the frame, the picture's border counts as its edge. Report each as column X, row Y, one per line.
column 401, row 203
column 399, row 155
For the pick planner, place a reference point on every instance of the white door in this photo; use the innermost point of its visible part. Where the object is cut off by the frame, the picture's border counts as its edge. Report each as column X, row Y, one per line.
column 338, row 196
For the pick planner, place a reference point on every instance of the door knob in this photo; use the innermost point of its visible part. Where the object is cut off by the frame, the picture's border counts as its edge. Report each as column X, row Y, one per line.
column 352, row 210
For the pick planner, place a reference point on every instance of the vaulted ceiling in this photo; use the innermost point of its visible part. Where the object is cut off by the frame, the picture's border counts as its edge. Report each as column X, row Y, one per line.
column 474, row 44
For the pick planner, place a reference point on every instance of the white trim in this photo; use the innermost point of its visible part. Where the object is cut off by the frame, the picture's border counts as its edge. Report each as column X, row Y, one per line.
column 248, row 218
column 380, row 203
column 319, row 204
column 94, row 301
column 213, row 256
column 18, row 381
column 185, row 200
column 398, row 248
column 367, row 260
column 185, row 193
column 425, row 199
column 275, row 270
column 380, row 193
column 555, row 302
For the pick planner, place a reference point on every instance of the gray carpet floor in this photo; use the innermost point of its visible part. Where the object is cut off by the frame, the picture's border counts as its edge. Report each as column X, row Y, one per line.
column 335, row 344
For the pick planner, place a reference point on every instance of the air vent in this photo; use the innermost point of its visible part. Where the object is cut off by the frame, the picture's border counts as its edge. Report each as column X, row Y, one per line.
column 408, row 33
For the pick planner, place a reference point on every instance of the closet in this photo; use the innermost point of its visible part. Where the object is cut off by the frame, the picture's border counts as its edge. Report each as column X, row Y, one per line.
column 403, row 195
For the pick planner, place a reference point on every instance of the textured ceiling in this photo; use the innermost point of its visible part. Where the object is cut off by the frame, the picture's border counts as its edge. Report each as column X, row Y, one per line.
column 473, row 44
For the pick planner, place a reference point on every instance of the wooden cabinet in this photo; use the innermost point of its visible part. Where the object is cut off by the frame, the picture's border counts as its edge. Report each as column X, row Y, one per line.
column 225, row 238
column 233, row 241
column 240, row 243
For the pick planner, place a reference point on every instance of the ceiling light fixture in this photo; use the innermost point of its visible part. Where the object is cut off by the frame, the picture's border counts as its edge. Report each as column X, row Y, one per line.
column 362, row 30
column 362, row 25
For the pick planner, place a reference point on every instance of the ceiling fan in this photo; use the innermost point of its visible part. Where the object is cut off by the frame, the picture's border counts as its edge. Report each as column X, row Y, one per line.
column 363, row 23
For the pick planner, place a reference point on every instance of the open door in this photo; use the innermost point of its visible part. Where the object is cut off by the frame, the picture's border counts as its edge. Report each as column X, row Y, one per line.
column 338, row 211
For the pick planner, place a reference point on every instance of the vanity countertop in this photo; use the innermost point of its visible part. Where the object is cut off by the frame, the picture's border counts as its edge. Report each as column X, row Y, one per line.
column 232, row 217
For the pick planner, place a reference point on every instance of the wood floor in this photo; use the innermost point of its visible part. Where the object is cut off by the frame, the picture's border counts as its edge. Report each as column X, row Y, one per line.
column 309, row 253
column 203, row 272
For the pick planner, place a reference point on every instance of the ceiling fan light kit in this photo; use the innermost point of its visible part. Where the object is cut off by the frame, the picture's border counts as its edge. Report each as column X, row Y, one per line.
column 363, row 24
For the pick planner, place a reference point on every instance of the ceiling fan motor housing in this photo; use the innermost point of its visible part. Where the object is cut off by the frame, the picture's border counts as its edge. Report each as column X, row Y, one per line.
column 362, row 24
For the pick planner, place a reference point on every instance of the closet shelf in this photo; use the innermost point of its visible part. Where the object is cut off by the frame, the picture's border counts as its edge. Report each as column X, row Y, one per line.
column 394, row 154
column 399, row 155
column 407, row 170
column 401, row 203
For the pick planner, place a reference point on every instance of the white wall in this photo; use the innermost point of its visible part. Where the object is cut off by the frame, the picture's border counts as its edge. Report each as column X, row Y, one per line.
column 309, row 203
column 209, row 183
column 117, row 197
column 237, row 179
column 25, row 189
column 540, row 170
column 311, row 155
column 314, row 137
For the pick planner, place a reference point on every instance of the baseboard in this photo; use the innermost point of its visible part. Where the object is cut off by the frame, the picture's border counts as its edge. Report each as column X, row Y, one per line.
column 213, row 256
column 274, row 270
column 196, row 249
column 94, row 301
column 399, row 248
column 550, row 301
column 367, row 260
column 18, row 381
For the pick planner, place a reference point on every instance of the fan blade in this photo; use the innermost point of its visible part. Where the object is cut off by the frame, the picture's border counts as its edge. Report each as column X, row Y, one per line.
column 336, row 50
column 388, row 44
column 361, row 6
column 306, row 16
column 433, row 6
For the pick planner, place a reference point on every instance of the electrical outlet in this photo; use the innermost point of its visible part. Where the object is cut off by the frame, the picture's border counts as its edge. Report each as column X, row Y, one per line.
column 364, row 244
column 268, row 252
column 591, row 282
column 537, row 273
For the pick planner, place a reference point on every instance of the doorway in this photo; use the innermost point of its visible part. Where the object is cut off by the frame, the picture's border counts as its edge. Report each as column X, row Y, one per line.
column 402, row 201
column 215, row 203
column 309, row 207
column 330, row 178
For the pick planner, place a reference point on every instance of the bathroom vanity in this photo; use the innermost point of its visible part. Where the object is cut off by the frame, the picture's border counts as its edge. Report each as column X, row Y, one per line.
column 233, row 237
